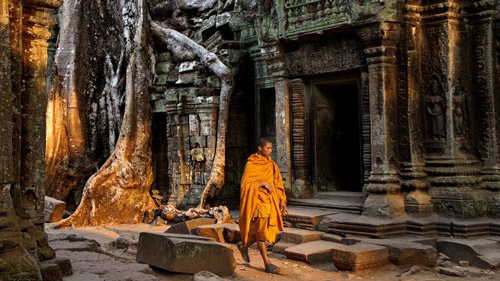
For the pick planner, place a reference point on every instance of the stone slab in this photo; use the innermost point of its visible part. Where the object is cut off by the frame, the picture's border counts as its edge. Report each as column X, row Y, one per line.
column 360, row 256
column 406, row 252
column 312, row 252
column 299, row 236
column 332, row 237
column 482, row 253
column 365, row 226
column 50, row 271
column 188, row 227
column 232, row 233
column 64, row 265
column 53, row 209
column 185, row 255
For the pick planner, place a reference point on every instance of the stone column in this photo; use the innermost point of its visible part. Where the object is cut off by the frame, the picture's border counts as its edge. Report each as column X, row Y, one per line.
column 417, row 201
column 450, row 162
column 276, row 67
column 486, row 95
column 384, row 198
column 28, row 194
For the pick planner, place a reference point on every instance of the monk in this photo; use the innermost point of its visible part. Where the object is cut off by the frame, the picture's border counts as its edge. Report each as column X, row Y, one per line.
column 262, row 201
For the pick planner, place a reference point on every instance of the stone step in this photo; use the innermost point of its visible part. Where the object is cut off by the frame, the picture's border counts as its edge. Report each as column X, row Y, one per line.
column 298, row 236
column 343, row 224
column 312, row 252
column 348, row 196
column 404, row 252
column 329, row 204
column 305, row 218
column 359, row 256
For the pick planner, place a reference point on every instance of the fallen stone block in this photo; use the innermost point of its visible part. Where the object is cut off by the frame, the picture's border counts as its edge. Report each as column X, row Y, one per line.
column 188, row 227
column 53, row 209
column 50, row 271
column 232, row 233
column 185, row 255
column 313, row 252
column 299, row 236
column 65, row 266
column 482, row 253
column 405, row 252
column 360, row 256
column 76, row 246
column 213, row 231
column 451, row 271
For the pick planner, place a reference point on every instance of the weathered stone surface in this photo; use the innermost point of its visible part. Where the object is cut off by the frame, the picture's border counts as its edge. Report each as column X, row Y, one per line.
column 365, row 226
column 207, row 276
column 482, row 253
column 281, row 246
column 185, row 255
column 54, row 209
column 188, row 227
column 332, row 237
column 51, row 271
column 86, row 245
column 451, row 271
column 360, row 256
column 405, row 252
column 313, row 252
column 299, row 236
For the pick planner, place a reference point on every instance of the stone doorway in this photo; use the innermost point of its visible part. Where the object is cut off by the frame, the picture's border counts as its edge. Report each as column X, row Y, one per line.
column 337, row 137
column 265, row 113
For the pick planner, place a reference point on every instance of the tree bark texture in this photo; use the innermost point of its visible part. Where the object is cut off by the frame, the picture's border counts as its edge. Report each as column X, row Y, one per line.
column 119, row 191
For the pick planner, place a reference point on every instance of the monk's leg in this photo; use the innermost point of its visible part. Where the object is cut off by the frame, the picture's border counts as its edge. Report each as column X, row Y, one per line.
column 263, row 252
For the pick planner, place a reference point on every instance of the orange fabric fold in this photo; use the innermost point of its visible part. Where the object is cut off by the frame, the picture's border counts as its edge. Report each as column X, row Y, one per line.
column 259, row 169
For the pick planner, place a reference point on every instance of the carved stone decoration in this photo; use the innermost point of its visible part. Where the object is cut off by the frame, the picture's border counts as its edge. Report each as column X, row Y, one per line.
column 435, row 105
column 299, row 140
column 460, row 112
column 324, row 57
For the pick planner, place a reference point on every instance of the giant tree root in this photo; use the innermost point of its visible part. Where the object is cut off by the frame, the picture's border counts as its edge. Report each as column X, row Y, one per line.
column 119, row 192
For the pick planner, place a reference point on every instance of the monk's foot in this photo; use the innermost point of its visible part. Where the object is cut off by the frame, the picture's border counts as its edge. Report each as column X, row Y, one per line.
column 243, row 252
column 271, row 268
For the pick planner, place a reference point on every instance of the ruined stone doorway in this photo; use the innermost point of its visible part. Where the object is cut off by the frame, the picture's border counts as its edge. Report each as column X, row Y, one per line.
column 337, row 134
column 266, row 116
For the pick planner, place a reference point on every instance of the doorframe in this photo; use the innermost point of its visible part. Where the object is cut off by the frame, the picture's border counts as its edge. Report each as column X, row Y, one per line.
column 338, row 80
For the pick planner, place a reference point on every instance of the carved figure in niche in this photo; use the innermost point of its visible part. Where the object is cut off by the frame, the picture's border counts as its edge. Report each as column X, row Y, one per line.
column 436, row 108
column 198, row 164
column 459, row 109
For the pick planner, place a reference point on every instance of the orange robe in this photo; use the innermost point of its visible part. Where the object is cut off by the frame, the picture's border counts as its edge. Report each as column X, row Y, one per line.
column 259, row 169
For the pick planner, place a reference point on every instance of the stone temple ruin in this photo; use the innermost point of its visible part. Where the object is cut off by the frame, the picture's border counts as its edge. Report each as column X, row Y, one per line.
column 378, row 108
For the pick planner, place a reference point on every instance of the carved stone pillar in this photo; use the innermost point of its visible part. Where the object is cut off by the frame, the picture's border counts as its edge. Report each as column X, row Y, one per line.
column 450, row 162
column 276, row 67
column 28, row 195
column 384, row 198
column 417, row 201
column 486, row 96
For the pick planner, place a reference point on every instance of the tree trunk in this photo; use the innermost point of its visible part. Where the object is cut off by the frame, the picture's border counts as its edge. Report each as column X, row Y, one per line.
column 182, row 46
column 119, row 191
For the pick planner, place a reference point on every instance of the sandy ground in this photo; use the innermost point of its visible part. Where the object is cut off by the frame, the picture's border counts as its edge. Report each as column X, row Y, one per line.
column 110, row 264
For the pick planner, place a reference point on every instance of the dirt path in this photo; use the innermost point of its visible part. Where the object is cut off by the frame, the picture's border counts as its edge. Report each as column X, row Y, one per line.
column 108, row 253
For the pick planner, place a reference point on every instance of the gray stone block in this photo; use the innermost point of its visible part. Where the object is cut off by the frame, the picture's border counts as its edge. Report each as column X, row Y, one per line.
column 175, row 254
column 360, row 256
column 313, row 252
column 482, row 253
column 53, row 209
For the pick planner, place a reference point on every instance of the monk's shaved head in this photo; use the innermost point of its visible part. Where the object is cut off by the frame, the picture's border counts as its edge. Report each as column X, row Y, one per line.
column 262, row 141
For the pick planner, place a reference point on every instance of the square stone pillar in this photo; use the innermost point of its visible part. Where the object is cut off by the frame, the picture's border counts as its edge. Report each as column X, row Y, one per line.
column 384, row 191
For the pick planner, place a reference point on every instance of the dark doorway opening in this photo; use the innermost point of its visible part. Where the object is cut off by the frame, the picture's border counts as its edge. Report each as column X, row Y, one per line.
column 337, row 145
column 266, row 116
